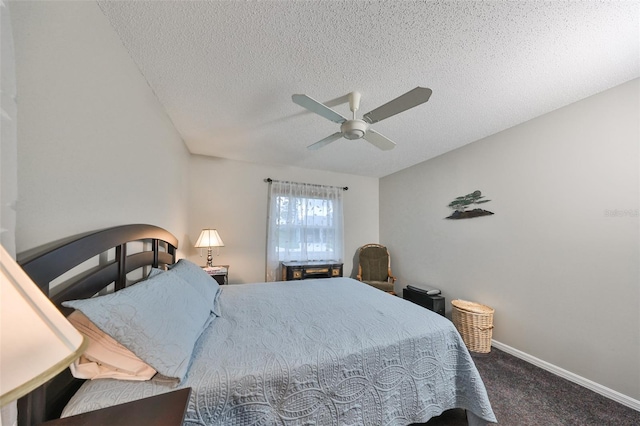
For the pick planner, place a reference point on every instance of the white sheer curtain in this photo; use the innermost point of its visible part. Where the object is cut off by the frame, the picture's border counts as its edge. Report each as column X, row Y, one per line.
column 304, row 224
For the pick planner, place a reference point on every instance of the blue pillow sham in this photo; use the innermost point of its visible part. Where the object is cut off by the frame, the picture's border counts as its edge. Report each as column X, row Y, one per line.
column 200, row 280
column 159, row 319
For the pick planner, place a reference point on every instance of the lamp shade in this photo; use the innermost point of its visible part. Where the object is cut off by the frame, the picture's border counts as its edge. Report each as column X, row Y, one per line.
column 36, row 340
column 209, row 238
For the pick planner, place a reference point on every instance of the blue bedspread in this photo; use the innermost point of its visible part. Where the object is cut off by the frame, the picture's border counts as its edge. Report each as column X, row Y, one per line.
column 316, row 352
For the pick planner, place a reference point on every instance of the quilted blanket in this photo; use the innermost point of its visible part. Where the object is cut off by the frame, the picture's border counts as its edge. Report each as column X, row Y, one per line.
column 316, row 352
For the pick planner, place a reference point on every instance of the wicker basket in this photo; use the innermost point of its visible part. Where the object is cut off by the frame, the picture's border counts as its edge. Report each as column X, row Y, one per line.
column 474, row 323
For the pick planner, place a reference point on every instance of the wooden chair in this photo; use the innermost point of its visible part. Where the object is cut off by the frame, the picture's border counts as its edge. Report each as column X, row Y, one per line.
column 374, row 267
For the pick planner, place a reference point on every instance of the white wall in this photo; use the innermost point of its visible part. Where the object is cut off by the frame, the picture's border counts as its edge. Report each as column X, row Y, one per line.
column 95, row 147
column 8, row 161
column 8, row 142
column 231, row 196
column 559, row 258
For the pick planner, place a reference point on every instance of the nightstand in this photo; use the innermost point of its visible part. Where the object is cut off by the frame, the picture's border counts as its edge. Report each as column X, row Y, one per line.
column 419, row 296
column 219, row 273
column 167, row 409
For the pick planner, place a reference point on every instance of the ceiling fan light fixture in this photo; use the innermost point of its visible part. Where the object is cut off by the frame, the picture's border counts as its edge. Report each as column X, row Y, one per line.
column 354, row 134
column 359, row 129
column 354, row 129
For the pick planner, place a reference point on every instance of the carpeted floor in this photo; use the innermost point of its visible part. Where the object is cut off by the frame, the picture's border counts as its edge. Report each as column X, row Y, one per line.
column 522, row 394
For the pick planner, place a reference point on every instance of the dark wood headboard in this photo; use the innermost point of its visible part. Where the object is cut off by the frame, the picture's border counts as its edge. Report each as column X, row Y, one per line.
column 48, row 262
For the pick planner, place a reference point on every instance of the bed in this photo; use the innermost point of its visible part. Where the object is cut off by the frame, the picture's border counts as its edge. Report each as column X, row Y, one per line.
column 326, row 352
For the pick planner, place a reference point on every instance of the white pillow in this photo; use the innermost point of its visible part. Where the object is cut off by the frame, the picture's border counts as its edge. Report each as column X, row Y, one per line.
column 105, row 358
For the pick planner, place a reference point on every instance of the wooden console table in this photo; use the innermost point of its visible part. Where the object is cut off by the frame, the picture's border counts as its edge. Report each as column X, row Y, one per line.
column 307, row 270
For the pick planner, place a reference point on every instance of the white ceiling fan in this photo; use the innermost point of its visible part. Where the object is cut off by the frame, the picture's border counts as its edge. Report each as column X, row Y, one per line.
column 359, row 128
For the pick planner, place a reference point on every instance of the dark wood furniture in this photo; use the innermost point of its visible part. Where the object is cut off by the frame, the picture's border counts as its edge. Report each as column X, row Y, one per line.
column 221, row 277
column 307, row 270
column 154, row 247
column 167, row 409
column 433, row 302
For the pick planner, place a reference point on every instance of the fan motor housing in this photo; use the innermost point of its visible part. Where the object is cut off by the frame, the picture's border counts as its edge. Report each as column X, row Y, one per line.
column 354, row 129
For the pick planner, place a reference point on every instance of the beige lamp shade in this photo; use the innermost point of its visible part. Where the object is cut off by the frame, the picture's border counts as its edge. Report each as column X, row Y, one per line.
column 36, row 340
column 209, row 238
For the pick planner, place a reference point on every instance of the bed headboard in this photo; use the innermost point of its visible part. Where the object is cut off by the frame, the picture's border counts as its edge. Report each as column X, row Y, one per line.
column 48, row 262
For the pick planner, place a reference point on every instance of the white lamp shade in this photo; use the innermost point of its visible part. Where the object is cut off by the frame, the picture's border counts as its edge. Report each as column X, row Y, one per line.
column 36, row 340
column 209, row 238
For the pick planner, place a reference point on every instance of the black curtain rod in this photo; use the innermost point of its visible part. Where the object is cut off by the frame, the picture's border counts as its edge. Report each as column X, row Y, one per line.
column 345, row 188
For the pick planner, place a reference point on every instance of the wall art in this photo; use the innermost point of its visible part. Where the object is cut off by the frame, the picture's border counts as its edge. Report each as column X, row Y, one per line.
column 462, row 203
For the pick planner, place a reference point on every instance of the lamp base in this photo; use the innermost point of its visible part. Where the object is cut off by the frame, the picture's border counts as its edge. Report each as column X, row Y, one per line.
column 209, row 258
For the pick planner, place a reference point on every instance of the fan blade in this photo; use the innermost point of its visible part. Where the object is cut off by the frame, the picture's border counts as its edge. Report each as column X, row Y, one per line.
column 379, row 141
column 411, row 99
column 319, row 108
column 325, row 141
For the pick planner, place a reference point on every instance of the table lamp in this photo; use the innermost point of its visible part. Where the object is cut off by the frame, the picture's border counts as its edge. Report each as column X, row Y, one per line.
column 36, row 340
column 209, row 238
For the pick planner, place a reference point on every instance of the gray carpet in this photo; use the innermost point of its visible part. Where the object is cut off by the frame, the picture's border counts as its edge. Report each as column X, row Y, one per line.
column 522, row 394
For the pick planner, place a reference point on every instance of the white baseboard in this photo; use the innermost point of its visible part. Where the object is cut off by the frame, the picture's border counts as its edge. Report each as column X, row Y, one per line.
column 591, row 385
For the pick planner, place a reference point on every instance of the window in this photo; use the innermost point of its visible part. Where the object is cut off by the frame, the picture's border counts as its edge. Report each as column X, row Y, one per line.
column 305, row 224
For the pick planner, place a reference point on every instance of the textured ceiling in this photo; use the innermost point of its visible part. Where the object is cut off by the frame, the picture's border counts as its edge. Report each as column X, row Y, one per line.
column 225, row 71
